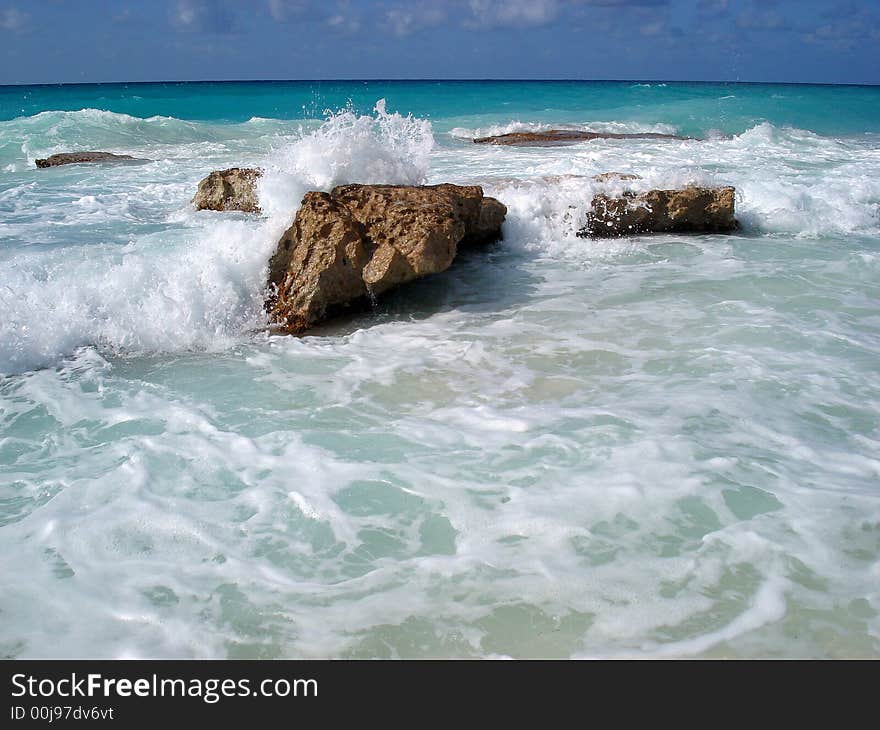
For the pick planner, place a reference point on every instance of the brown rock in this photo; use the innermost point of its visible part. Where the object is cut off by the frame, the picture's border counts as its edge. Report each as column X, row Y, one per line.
column 316, row 269
column 488, row 226
column 691, row 209
column 232, row 189
column 348, row 246
column 422, row 224
column 69, row 158
column 553, row 137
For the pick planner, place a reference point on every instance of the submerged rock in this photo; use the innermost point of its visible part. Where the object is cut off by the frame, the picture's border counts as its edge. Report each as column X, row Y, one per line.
column 232, row 189
column 614, row 176
column 691, row 209
column 554, row 137
column 349, row 245
column 70, row 158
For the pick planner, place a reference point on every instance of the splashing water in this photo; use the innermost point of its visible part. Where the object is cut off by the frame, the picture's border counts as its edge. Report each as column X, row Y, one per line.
column 346, row 148
column 201, row 287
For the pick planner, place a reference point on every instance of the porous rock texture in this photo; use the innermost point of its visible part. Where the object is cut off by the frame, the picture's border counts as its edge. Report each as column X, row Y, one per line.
column 70, row 158
column 691, row 209
column 554, row 137
column 232, row 189
column 348, row 246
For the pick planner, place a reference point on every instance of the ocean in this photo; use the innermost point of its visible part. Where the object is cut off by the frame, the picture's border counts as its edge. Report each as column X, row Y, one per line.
column 654, row 446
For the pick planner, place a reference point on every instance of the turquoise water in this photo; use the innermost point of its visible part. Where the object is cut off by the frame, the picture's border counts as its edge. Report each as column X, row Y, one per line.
column 692, row 107
column 650, row 446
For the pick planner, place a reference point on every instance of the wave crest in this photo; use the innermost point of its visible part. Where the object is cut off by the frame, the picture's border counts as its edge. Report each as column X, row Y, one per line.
column 196, row 284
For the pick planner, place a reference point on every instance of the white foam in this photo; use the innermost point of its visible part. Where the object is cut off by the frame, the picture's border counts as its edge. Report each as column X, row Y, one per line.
column 201, row 285
column 654, row 445
column 384, row 148
column 788, row 181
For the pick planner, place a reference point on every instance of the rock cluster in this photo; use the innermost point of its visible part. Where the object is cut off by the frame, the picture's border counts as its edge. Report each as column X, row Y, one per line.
column 691, row 209
column 346, row 247
column 350, row 245
column 232, row 189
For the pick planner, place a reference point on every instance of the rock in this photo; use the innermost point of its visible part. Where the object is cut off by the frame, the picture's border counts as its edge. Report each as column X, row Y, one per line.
column 488, row 225
column 553, row 137
column 316, row 271
column 613, row 176
column 69, row 158
column 347, row 246
column 691, row 209
column 232, row 189
column 416, row 229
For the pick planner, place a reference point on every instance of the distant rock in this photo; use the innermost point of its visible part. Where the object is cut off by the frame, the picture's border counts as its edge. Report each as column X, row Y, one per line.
column 232, row 189
column 613, row 176
column 691, row 209
column 350, row 245
column 553, row 137
column 70, row 158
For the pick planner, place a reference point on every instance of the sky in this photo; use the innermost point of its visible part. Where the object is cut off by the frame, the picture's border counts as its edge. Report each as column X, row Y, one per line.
column 822, row 41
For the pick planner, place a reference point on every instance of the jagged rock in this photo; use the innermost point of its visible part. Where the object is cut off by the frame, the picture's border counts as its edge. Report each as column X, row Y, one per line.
column 349, row 245
column 69, row 158
column 232, row 189
column 317, row 268
column 691, row 209
column 553, row 137
column 416, row 229
column 488, row 225
column 612, row 176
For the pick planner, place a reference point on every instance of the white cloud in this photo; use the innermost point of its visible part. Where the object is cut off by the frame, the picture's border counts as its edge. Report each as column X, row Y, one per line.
column 185, row 14
column 713, row 7
column 345, row 18
column 849, row 27
column 12, row 19
column 498, row 13
column 282, row 10
column 623, row 3
column 412, row 17
column 759, row 19
column 206, row 15
column 655, row 28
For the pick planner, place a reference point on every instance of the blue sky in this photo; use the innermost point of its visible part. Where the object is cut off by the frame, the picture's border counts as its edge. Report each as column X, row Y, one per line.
column 830, row 41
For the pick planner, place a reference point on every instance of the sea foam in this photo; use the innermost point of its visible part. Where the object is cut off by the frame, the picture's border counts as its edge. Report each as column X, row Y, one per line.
column 199, row 281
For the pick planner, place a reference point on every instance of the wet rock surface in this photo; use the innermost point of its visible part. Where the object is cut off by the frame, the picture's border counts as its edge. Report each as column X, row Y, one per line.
column 554, row 137
column 71, row 158
column 615, row 177
column 689, row 210
column 232, row 189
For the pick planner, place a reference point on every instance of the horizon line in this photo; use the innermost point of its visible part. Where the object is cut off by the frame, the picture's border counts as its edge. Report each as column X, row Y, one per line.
column 437, row 80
